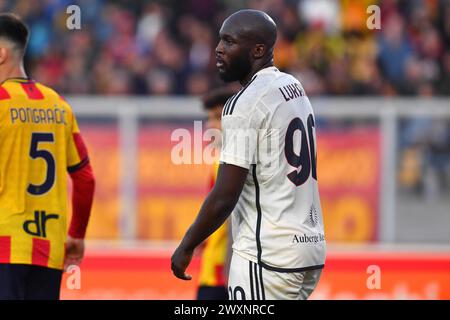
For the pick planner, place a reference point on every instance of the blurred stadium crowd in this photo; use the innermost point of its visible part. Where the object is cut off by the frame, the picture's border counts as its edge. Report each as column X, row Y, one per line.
column 151, row 47
column 166, row 47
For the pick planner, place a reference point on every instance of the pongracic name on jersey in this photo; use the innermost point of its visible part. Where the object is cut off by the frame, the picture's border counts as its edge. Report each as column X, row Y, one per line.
column 38, row 115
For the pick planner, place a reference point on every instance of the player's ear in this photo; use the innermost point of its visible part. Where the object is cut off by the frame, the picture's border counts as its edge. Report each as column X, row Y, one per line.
column 3, row 55
column 259, row 51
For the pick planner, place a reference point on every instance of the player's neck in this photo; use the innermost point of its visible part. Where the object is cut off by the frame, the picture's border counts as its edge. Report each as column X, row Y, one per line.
column 255, row 69
column 12, row 71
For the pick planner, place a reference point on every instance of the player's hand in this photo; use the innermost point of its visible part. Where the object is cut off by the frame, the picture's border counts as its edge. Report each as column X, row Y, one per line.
column 74, row 252
column 180, row 261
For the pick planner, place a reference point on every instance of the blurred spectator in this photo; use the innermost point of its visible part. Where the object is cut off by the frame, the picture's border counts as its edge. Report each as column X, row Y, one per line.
column 197, row 84
column 160, row 82
column 149, row 25
column 160, row 47
column 320, row 13
column 394, row 50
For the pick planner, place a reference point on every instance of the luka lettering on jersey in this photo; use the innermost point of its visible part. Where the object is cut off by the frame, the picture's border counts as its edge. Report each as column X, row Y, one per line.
column 292, row 91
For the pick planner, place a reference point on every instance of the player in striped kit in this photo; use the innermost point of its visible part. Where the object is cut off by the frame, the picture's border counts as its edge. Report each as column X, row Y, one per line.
column 40, row 143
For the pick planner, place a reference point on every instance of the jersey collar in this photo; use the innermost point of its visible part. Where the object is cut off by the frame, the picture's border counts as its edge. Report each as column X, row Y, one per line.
column 18, row 79
column 261, row 71
column 267, row 70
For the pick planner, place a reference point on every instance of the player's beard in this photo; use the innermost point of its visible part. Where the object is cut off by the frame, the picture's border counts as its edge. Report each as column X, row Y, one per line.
column 238, row 69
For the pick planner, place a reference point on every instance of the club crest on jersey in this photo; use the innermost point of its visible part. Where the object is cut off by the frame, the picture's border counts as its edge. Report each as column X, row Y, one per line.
column 313, row 216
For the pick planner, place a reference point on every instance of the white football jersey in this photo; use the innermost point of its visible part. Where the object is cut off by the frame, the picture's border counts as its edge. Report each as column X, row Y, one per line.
column 269, row 128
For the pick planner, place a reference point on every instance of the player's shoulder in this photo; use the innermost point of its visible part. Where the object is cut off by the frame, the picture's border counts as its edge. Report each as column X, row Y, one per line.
column 17, row 87
column 10, row 89
column 254, row 95
column 53, row 96
column 4, row 94
column 48, row 92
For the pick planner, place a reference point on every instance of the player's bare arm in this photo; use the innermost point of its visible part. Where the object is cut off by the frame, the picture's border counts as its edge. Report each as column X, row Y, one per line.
column 215, row 210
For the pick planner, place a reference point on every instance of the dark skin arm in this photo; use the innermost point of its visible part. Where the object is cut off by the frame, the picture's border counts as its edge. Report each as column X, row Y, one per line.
column 216, row 208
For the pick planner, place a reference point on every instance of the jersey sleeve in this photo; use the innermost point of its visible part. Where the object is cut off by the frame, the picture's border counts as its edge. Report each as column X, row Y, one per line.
column 77, row 154
column 240, row 138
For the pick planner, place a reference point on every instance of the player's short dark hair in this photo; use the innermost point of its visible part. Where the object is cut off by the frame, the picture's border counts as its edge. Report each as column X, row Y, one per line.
column 15, row 30
column 217, row 97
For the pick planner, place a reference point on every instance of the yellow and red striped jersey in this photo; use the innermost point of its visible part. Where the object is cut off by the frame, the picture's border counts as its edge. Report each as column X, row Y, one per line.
column 215, row 252
column 39, row 142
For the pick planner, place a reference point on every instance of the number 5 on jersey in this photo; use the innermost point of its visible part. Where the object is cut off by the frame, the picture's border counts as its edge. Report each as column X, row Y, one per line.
column 36, row 153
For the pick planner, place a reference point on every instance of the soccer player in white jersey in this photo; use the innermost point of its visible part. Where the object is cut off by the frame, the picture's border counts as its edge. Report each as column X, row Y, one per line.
column 267, row 178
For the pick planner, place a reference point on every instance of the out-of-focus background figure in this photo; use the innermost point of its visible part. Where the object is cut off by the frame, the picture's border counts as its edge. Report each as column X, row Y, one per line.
column 216, row 251
column 134, row 73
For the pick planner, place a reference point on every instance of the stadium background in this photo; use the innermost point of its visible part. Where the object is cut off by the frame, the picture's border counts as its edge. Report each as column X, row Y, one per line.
column 135, row 70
